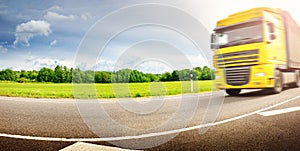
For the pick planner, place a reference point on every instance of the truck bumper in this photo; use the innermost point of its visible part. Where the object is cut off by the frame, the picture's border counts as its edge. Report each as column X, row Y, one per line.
column 260, row 76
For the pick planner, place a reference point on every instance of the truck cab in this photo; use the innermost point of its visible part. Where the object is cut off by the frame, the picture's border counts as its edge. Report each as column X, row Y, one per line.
column 252, row 51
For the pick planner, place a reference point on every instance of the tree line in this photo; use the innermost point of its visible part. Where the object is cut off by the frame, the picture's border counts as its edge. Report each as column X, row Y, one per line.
column 62, row 74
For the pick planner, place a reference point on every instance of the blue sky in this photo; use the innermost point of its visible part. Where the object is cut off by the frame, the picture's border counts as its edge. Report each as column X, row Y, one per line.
column 36, row 34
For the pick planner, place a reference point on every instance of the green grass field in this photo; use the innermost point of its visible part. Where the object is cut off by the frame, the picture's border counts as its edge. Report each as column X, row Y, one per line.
column 116, row 90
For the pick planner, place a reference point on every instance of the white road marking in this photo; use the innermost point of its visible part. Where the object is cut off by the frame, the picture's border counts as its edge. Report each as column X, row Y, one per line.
column 103, row 101
column 280, row 111
column 144, row 135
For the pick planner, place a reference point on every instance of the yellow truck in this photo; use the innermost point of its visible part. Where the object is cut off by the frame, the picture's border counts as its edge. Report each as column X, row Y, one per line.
column 256, row 49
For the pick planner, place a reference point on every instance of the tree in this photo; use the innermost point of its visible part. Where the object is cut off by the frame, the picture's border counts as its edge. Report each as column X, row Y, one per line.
column 137, row 75
column 198, row 72
column 133, row 77
column 69, row 75
column 152, row 77
column 46, row 75
column 59, row 74
column 175, row 76
column 194, row 73
column 166, row 77
column 77, row 76
column 8, row 75
column 206, row 73
column 32, row 75
column 184, row 75
column 98, row 77
column 106, row 76
column 24, row 74
column 88, row 76
column 121, row 76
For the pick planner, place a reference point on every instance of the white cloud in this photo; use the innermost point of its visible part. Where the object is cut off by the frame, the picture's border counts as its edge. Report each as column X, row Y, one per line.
column 53, row 43
column 86, row 16
column 104, row 65
column 55, row 7
column 48, row 62
column 154, row 67
column 26, row 31
column 3, row 42
column 52, row 16
column 3, row 49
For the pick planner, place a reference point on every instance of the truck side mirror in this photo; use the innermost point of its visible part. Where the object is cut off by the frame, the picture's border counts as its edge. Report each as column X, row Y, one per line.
column 213, row 38
column 213, row 44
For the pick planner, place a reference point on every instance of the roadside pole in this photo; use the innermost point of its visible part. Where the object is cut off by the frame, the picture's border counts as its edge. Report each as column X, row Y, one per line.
column 192, row 83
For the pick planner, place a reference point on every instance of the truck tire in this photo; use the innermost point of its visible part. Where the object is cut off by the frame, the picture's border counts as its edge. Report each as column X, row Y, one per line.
column 233, row 92
column 278, row 86
column 296, row 84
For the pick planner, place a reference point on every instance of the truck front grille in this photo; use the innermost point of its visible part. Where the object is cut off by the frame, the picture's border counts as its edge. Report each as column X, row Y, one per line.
column 240, row 58
column 237, row 76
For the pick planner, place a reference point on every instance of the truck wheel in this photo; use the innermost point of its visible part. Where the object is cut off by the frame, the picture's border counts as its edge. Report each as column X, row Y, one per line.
column 296, row 84
column 233, row 92
column 278, row 86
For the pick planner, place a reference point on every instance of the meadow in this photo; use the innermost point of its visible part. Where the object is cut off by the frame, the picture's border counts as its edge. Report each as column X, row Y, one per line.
column 112, row 90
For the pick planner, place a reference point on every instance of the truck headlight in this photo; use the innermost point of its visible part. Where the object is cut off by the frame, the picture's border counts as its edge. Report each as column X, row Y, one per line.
column 217, row 77
column 260, row 74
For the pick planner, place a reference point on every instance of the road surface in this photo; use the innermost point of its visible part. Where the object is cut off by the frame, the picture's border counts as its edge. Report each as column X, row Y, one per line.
column 242, row 123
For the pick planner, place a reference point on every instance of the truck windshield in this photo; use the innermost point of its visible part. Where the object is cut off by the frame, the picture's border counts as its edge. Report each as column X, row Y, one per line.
column 239, row 34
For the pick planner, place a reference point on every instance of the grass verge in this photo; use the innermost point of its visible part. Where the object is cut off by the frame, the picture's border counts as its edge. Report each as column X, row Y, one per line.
column 117, row 90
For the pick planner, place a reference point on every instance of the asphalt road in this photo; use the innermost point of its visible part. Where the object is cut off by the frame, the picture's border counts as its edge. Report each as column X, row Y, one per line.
column 238, row 126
